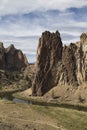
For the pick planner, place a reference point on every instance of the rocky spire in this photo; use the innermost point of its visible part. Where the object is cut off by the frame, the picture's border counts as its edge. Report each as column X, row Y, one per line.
column 49, row 54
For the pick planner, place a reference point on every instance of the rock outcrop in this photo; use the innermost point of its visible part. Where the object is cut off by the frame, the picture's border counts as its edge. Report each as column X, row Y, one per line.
column 69, row 65
column 49, row 55
column 12, row 58
column 59, row 65
column 2, row 56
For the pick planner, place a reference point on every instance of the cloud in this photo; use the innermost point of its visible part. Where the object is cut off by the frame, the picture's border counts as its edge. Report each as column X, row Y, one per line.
column 23, row 21
column 34, row 23
column 25, row 6
column 27, row 45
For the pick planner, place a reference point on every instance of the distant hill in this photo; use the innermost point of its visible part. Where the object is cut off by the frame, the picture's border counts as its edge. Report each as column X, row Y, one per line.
column 12, row 58
column 15, row 71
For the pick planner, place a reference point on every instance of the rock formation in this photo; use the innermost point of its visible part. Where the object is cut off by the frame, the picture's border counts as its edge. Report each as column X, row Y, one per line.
column 59, row 65
column 12, row 58
column 2, row 56
column 49, row 55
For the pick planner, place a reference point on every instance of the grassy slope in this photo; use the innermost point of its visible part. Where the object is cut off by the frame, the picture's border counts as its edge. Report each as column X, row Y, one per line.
column 32, row 117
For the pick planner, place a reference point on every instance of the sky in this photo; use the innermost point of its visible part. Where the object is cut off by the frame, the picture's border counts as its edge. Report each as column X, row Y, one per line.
column 23, row 21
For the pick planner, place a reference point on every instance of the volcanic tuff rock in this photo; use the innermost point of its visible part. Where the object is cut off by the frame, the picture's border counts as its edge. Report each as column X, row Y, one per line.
column 12, row 58
column 59, row 65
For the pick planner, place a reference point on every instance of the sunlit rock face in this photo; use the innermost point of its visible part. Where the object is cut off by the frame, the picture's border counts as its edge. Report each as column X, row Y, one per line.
column 12, row 58
column 59, row 65
column 83, row 42
column 68, row 75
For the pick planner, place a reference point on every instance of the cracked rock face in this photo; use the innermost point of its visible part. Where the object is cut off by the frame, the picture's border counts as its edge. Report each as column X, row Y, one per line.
column 83, row 41
column 59, row 65
column 69, row 65
column 12, row 58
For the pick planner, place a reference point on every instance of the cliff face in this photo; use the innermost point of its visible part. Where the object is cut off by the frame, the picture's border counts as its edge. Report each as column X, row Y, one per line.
column 12, row 58
column 59, row 65
column 2, row 56
column 83, row 57
column 49, row 54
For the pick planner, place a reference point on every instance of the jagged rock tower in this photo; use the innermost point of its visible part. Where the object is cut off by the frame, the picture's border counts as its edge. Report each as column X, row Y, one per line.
column 49, row 55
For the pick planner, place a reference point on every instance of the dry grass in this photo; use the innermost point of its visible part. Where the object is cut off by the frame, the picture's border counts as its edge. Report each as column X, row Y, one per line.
column 25, row 117
column 34, row 117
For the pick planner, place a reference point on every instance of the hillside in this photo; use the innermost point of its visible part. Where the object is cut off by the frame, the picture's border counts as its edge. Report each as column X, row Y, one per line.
column 15, row 71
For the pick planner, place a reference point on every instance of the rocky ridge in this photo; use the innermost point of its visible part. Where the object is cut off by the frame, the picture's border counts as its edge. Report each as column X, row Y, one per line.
column 12, row 58
column 58, row 65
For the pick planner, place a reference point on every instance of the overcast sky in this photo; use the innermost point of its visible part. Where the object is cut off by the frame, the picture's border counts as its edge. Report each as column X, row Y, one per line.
column 23, row 21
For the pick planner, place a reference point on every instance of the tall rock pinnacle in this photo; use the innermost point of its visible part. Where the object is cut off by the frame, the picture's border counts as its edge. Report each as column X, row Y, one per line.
column 49, row 54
